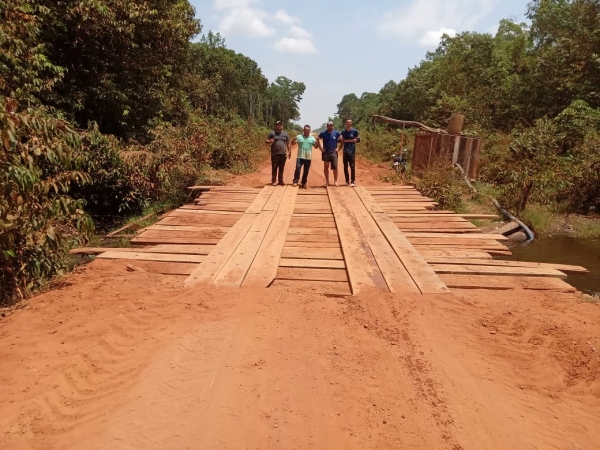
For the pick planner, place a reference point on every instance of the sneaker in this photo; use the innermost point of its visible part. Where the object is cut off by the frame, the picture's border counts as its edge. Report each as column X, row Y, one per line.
column 326, row 183
column 347, row 183
column 352, row 184
column 273, row 183
column 282, row 184
column 295, row 184
column 336, row 184
column 303, row 186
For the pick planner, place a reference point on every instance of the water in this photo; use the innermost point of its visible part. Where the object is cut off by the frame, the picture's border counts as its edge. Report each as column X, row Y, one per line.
column 578, row 252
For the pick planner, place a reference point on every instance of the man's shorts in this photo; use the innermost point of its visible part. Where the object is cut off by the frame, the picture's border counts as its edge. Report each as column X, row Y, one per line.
column 331, row 158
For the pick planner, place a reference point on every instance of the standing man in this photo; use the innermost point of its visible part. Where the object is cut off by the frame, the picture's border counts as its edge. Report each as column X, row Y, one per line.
column 306, row 142
column 330, row 152
column 280, row 150
column 350, row 136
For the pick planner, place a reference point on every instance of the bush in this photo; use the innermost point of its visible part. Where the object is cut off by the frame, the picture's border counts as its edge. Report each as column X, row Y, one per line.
column 380, row 145
column 39, row 222
column 443, row 183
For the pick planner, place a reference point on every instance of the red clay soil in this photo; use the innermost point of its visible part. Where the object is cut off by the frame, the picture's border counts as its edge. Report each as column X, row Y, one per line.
column 111, row 359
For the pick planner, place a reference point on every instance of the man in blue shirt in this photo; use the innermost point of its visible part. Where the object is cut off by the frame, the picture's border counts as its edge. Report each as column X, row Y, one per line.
column 330, row 152
column 350, row 136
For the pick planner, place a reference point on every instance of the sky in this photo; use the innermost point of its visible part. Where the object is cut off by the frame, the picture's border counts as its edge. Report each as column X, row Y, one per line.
column 341, row 47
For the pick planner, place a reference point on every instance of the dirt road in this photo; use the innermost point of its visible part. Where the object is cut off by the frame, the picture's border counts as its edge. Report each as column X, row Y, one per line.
column 112, row 359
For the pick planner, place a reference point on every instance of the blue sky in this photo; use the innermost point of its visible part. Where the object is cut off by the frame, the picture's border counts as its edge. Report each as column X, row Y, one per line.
column 339, row 47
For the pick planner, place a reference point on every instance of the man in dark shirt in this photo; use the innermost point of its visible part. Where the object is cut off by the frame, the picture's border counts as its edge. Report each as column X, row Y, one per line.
column 330, row 152
column 280, row 151
column 350, row 136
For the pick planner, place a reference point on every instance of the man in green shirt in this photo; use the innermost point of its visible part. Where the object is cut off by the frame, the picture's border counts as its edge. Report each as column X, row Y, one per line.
column 306, row 142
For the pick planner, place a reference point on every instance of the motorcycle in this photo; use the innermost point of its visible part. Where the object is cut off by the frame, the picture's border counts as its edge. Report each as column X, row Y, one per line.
column 399, row 161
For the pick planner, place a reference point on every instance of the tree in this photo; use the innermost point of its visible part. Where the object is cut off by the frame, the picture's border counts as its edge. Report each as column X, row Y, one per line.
column 281, row 100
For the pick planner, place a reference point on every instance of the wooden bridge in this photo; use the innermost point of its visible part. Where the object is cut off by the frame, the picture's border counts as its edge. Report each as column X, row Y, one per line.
column 351, row 239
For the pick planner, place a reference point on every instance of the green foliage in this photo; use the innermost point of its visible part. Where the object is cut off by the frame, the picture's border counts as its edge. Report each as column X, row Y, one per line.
column 39, row 222
column 442, row 183
column 380, row 145
column 539, row 218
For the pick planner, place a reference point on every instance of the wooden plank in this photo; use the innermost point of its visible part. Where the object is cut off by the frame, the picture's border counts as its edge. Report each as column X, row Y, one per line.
column 311, row 238
column 275, row 200
column 480, row 216
column 211, row 208
column 506, row 283
column 313, row 263
column 314, row 223
column 235, row 270
column 318, row 231
column 492, row 236
column 303, row 244
column 456, row 243
column 421, row 273
column 490, row 270
column 193, row 228
column 264, row 268
column 288, row 273
column 199, row 220
column 154, row 240
column 436, row 223
column 192, row 209
column 158, row 233
column 328, row 215
column 363, row 272
column 504, row 251
column 392, row 269
column 152, row 256
column 402, row 201
column 311, row 253
column 332, row 288
column 208, row 270
column 439, row 230
column 371, row 205
column 432, row 255
column 184, row 249
column 426, row 213
column 428, row 218
column 506, row 263
column 261, row 200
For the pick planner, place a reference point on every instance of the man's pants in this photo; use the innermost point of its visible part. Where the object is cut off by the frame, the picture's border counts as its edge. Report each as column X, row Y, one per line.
column 277, row 163
column 299, row 164
column 350, row 160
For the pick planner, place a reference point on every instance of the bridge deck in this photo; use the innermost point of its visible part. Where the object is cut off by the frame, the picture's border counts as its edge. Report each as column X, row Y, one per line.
column 349, row 240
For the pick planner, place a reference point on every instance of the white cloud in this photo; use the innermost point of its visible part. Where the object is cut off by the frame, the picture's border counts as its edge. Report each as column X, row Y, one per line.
column 245, row 21
column 300, row 33
column 292, row 45
column 281, row 16
column 227, row 4
column 432, row 38
column 425, row 19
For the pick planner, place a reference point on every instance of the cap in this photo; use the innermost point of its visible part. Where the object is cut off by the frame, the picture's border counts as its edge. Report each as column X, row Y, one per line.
column 279, row 122
column 330, row 123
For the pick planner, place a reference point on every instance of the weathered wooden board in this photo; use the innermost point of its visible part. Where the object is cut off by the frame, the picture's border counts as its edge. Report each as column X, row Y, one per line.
column 156, row 240
column 431, row 218
column 287, row 273
column 491, row 270
column 394, row 272
column 235, row 270
column 261, row 200
column 363, row 272
column 461, row 237
column 216, row 207
column 311, row 253
column 311, row 238
column 312, row 223
column 504, row 251
column 313, row 263
column 432, row 255
column 434, row 224
column 328, row 215
column 210, row 230
column 334, row 243
column 184, row 249
column 198, row 220
column 506, row 283
column 318, row 231
column 275, row 199
column 264, row 268
column 167, row 257
column 167, row 268
column 192, row 209
column 480, row 216
column 506, row 263
column 208, row 270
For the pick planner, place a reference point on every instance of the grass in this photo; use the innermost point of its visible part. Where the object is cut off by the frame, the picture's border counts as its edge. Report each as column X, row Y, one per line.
column 541, row 219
